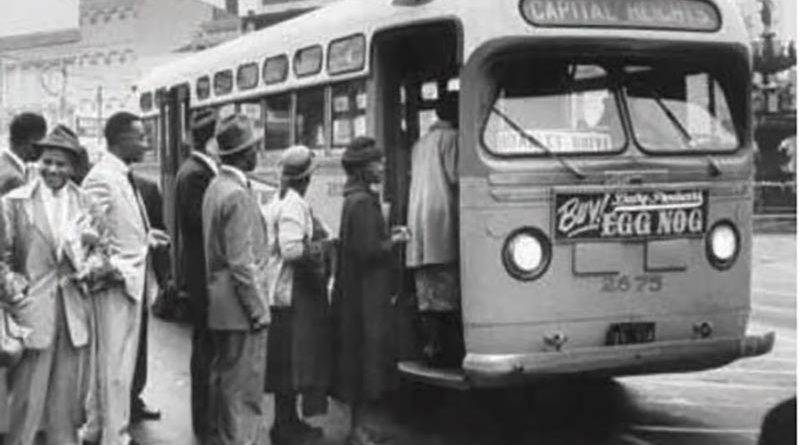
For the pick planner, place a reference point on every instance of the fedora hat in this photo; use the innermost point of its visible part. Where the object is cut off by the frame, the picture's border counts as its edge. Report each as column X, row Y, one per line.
column 202, row 119
column 61, row 137
column 297, row 162
column 235, row 134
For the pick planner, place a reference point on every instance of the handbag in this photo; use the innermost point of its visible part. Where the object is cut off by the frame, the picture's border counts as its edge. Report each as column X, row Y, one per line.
column 12, row 338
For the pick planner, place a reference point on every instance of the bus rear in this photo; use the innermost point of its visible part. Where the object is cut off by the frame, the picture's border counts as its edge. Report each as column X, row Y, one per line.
column 606, row 195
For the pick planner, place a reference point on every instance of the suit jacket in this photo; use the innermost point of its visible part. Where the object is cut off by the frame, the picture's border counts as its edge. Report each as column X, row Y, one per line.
column 107, row 186
column 11, row 176
column 235, row 239
column 191, row 183
column 30, row 249
column 154, row 207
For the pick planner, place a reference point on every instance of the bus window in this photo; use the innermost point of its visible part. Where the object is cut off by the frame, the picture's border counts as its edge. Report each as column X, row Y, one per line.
column 223, row 82
column 348, row 107
column 568, row 108
column 253, row 111
column 310, row 119
column 278, row 128
column 675, row 110
column 203, row 88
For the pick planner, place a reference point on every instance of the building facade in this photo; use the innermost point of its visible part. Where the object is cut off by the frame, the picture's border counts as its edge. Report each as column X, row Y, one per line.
column 83, row 81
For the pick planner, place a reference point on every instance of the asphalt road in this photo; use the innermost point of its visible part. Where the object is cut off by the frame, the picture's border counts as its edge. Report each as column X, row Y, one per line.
column 721, row 406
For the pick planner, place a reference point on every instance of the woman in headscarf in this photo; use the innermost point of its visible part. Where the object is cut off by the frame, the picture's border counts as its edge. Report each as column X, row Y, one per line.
column 364, row 362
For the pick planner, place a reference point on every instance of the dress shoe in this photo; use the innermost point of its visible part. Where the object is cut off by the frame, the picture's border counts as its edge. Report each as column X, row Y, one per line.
column 144, row 413
column 305, row 429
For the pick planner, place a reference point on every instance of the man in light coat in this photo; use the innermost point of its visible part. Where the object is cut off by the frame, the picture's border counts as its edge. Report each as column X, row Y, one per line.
column 118, row 310
column 235, row 239
column 41, row 244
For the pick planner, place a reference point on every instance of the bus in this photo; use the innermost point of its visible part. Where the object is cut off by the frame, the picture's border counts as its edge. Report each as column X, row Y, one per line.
column 605, row 165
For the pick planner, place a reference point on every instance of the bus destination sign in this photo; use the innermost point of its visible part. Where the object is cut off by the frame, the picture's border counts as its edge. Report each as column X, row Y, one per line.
column 687, row 15
column 630, row 214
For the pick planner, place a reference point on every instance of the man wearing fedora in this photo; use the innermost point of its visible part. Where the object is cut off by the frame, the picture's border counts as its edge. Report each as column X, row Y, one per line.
column 191, row 182
column 40, row 242
column 235, row 240
column 118, row 310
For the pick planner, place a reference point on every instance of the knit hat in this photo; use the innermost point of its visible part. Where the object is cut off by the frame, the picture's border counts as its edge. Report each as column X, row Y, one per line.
column 361, row 150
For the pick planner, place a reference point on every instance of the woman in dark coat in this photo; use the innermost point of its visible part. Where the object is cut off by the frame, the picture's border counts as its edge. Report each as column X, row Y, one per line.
column 364, row 357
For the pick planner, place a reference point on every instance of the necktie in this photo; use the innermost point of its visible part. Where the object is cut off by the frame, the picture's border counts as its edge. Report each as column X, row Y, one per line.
column 137, row 196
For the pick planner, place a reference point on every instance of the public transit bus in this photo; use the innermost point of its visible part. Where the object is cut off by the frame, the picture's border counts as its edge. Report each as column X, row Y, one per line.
column 605, row 165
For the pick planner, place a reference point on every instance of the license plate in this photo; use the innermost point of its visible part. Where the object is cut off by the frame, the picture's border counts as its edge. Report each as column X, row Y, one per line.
column 630, row 333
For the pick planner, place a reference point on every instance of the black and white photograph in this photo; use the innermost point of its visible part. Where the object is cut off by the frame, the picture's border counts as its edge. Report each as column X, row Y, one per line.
column 398, row 222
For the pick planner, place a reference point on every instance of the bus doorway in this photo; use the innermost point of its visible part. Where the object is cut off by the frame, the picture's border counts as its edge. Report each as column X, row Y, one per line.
column 414, row 67
column 175, row 114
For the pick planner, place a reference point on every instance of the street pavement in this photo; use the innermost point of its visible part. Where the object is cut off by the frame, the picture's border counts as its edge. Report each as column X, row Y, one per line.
column 720, row 406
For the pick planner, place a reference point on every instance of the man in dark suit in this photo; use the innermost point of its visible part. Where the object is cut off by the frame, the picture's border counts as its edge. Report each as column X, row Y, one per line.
column 25, row 129
column 191, row 182
column 235, row 240
column 153, row 204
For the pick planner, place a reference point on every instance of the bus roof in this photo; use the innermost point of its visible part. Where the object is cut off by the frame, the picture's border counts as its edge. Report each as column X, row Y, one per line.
column 480, row 20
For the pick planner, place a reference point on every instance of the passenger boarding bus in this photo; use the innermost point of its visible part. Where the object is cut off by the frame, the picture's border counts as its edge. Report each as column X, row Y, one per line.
column 605, row 164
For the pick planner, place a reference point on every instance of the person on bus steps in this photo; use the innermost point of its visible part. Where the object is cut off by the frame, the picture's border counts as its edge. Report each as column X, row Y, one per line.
column 191, row 182
column 364, row 363
column 432, row 251
column 299, row 357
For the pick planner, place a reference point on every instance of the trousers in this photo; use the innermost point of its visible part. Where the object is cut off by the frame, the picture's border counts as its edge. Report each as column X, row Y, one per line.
column 49, row 384
column 236, row 387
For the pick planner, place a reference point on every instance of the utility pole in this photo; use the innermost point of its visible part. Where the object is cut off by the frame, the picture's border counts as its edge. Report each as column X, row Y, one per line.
column 62, row 102
column 99, row 114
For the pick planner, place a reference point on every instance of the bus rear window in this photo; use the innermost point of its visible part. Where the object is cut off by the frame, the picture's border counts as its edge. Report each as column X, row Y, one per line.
column 561, row 107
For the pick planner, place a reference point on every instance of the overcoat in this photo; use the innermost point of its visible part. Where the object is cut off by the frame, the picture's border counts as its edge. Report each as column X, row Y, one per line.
column 32, row 251
column 191, row 183
column 361, row 305
column 235, row 240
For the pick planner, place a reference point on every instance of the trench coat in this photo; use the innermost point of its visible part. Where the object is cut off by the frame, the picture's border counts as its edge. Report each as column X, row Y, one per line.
column 364, row 350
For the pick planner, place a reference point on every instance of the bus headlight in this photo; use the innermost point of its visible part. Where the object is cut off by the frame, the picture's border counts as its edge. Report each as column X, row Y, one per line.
column 722, row 245
column 526, row 253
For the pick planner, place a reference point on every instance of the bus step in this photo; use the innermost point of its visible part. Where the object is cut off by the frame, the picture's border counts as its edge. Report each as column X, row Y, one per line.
column 445, row 377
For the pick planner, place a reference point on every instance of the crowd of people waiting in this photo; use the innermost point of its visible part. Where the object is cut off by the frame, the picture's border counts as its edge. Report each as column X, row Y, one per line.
column 83, row 251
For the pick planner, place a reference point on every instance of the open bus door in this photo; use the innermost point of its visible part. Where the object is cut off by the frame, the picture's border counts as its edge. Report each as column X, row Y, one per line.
column 174, row 119
column 413, row 67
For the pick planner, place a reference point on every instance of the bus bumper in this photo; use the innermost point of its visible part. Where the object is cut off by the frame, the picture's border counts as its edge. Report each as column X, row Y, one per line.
column 667, row 356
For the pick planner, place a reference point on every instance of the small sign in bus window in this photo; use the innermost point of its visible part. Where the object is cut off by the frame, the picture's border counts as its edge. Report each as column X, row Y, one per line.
column 693, row 15
column 559, row 141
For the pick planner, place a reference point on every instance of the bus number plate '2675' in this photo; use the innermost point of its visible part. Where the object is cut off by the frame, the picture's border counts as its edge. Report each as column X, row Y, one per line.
column 639, row 214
